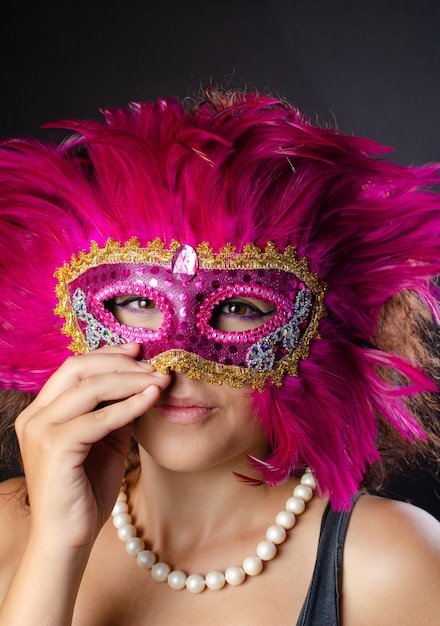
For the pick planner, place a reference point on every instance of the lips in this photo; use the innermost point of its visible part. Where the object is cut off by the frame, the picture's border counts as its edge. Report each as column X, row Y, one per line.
column 183, row 410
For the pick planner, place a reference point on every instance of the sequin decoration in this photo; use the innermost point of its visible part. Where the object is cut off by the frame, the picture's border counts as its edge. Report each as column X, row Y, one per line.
column 262, row 354
column 95, row 332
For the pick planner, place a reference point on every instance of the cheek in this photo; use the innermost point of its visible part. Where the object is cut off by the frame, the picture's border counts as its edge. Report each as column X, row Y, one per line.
column 243, row 423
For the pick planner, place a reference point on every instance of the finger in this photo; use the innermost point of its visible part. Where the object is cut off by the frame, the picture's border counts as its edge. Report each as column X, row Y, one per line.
column 87, row 393
column 90, row 428
column 131, row 348
column 78, row 368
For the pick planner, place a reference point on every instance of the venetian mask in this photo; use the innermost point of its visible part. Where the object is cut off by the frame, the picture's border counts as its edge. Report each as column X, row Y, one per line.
column 188, row 289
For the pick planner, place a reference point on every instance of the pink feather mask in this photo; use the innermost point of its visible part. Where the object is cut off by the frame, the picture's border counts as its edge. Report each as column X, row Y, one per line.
column 252, row 173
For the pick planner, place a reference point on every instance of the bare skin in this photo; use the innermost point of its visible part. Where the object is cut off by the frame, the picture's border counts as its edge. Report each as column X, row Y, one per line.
column 66, row 560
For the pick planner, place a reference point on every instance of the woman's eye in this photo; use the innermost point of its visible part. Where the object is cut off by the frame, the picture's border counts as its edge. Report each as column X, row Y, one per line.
column 238, row 315
column 240, row 309
column 136, row 303
column 135, row 311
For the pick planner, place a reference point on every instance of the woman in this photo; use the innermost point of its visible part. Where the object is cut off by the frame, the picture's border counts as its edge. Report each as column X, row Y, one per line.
column 245, row 295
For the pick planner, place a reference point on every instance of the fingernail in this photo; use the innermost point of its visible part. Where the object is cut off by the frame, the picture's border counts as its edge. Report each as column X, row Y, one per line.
column 151, row 390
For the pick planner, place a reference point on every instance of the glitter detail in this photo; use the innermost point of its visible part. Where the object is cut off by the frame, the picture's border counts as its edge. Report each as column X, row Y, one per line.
column 95, row 332
column 261, row 356
column 187, row 339
column 196, row 367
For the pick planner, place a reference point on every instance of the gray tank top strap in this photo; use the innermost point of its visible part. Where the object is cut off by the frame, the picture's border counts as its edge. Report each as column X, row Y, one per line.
column 321, row 606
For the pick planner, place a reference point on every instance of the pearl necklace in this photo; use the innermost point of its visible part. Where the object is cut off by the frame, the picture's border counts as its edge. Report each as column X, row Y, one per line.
column 252, row 565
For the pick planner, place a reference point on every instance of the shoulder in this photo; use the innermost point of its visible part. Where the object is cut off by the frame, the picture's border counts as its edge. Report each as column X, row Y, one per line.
column 14, row 524
column 391, row 572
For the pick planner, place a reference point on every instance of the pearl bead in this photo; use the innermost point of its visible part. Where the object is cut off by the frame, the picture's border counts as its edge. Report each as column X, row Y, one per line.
column 303, row 491
column 195, row 583
column 252, row 565
column 160, row 572
column 286, row 519
column 215, row 580
column 120, row 507
column 266, row 550
column 120, row 519
column 126, row 532
column 177, row 579
column 134, row 545
column 234, row 575
column 307, row 479
column 122, row 497
column 146, row 559
column 276, row 534
column 295, row 505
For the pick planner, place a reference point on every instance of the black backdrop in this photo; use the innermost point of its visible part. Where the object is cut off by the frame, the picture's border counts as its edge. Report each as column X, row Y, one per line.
column 370, row 66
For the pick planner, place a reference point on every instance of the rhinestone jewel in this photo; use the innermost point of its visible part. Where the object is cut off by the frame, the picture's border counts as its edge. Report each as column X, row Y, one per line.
column 252, row 565
column 185, row 263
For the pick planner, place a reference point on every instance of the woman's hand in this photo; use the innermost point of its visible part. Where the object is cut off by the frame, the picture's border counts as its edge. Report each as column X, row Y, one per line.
column 74, row 438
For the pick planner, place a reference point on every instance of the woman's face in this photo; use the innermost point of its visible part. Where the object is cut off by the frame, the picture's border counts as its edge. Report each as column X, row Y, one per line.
column 196, row 425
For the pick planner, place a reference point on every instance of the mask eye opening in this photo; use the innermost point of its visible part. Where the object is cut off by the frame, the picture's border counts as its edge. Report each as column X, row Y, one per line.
column 266, row 311
column 133, row 326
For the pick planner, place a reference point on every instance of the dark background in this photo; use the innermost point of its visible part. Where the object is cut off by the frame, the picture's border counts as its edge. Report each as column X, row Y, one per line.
column 370, row 67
